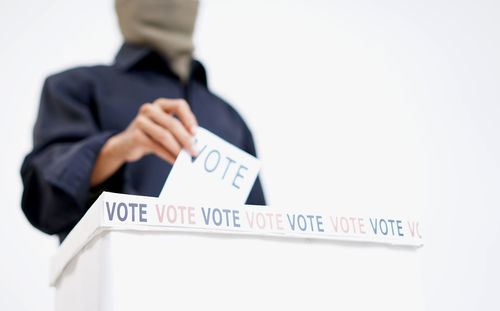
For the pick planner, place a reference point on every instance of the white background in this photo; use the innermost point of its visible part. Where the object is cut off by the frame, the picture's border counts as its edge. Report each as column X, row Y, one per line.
column 354, row 104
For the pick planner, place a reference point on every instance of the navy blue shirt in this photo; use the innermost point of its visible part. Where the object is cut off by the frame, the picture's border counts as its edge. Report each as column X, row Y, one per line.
column 82, row 107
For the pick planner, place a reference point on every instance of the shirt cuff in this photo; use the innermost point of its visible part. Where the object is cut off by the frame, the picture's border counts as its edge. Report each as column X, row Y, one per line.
column 71, row 172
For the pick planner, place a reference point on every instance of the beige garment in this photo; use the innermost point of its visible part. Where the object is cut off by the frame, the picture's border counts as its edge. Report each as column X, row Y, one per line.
column 165, row 25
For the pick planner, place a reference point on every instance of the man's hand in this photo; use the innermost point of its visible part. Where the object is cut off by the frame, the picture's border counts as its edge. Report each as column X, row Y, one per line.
column 153, row 130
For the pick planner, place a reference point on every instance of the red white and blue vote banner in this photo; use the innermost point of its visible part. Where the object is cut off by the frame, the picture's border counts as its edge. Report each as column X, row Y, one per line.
column 145, row 213
column 123, row 212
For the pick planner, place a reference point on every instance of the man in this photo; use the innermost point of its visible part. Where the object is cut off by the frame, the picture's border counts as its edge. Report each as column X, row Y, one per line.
column 120, row 127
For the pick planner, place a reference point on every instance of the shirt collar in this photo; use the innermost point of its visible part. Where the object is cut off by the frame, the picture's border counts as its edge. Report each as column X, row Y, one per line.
column 130, row 55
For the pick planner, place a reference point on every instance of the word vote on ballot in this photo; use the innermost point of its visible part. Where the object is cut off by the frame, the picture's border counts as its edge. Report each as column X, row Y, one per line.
column 220, row 174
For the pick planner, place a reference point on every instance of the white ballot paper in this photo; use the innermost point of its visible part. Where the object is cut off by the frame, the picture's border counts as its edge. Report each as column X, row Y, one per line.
column 220, row 174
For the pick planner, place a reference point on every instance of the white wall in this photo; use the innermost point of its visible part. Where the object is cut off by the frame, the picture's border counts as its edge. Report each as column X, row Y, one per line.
column 390, row 104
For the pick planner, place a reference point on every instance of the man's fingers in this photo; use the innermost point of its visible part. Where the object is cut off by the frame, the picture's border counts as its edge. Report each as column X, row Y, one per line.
column 159, row 134
column 148, row 145
column 160, row 151
column 173, row 125
column 180, row 108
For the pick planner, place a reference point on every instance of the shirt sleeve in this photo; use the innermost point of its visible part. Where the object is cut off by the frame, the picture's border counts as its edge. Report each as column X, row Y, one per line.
column 66, row 142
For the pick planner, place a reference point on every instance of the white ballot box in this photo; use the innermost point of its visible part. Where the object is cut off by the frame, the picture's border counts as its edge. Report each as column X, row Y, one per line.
column 142, row 253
